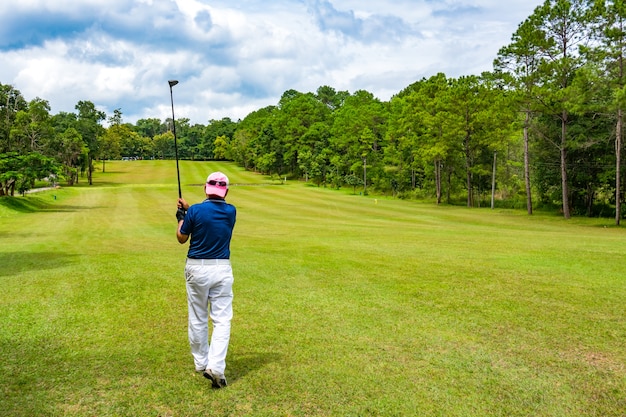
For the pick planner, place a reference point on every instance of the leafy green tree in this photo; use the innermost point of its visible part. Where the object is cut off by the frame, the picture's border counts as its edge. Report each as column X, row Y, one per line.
column 220, row 147
column 333, row 176
column 330, row 97
column 502, row 121
column 244, row 147
column 150, row 127
column 122, row 139
column 425, row 131
column 493, row 117
column 224, row 128
column 468, row 101
column 90, row 129
column 146, row 147
column 163, row 145
column 32, row 127
column 518, row 65
column 193, row 145
column 266, row 162
column 591, row 159
column 609, row 58
column 111, row 143
column 358, row 131
column 71, row 152
column 297, row 113
column 353, row 181
column 116, row 119
column 11, row 102
column 431, row 140
column 131, row 143
column 63, row 121
column 269, row 151
column 184, row 141
column 315, row 144
column 19, row 172
column 239, row 149
column 564, row 25
column 307, row 163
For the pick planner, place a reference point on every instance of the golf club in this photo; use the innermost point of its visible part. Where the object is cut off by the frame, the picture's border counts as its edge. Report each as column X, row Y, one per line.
column 172, row 83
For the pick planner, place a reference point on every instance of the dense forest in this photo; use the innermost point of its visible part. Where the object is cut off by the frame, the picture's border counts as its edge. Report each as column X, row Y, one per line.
column 543, row 129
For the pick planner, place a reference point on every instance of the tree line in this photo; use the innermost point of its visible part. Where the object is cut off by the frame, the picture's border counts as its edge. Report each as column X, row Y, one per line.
column 544, row 128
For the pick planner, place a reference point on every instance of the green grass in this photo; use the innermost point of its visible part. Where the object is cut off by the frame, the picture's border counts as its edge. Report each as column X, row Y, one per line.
column 344, row 305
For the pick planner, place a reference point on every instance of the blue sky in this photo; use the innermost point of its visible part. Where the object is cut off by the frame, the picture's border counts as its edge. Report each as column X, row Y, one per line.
column 234, row 57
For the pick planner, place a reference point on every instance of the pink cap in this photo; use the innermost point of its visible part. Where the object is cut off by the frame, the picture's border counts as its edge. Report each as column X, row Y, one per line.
column 216, row 184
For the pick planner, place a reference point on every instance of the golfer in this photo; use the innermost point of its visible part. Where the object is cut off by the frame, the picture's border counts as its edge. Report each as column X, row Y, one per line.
column 209, row 275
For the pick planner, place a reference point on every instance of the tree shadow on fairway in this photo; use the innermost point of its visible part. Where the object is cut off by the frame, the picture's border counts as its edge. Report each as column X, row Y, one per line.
column 35, row 204
column 239, row 365
column 15, row 263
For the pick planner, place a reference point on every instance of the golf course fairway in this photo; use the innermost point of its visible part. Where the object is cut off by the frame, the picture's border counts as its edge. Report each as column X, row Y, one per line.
column 345, row 305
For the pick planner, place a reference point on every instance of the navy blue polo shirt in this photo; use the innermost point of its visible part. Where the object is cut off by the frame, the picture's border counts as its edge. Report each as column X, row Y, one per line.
column 210, row 225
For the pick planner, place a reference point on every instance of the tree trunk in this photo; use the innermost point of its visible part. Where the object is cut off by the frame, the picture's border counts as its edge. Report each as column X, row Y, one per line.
column 564, row 186
column 589, row 198
column 529, row 200
column 618, row 168
column 468, row 172
column 493, row 182
column 449, row 180
column 438, row 180
column 90, row 171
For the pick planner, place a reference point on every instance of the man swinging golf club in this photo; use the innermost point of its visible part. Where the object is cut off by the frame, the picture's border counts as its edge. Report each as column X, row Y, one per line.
column 209, row 275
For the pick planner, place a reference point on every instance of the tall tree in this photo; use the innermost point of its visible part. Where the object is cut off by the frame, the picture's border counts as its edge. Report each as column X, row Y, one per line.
column 610, row 54
column 425, row 131
column 564, row 25
column 90, row 128
column 11, row 102
column 220, row 146
column 443, row 124
column 32, row 127
column 297, row 113
column 71, row 150
column 349, row 136
column 519, row 63
column 150, row 127
column 472, row 100
column 19, row 172
column 163, row 145
column 206, row 143
column 330, row 97
column 63, row 121
column 243, row 147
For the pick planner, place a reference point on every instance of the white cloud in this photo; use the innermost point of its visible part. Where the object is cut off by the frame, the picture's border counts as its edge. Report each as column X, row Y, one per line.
column 233, row 58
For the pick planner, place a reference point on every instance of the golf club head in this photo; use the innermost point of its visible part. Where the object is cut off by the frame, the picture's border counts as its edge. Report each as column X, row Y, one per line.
column 172, row 83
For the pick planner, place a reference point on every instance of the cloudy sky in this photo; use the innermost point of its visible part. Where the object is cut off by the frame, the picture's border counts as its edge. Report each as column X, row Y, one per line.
column 234, row 57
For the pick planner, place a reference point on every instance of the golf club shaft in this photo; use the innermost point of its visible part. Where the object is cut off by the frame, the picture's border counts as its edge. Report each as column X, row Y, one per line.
column 172, row 83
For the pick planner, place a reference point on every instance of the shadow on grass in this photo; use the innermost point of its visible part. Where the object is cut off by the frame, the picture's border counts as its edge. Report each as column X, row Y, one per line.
column 14, row 263
column 34, row 204
column 242, row 364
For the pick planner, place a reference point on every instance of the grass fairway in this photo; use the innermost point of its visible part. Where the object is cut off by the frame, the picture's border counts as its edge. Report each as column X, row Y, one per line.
column 344, row 305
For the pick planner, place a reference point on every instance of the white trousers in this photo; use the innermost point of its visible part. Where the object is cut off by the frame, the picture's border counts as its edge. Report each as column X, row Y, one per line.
column 209, row 294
